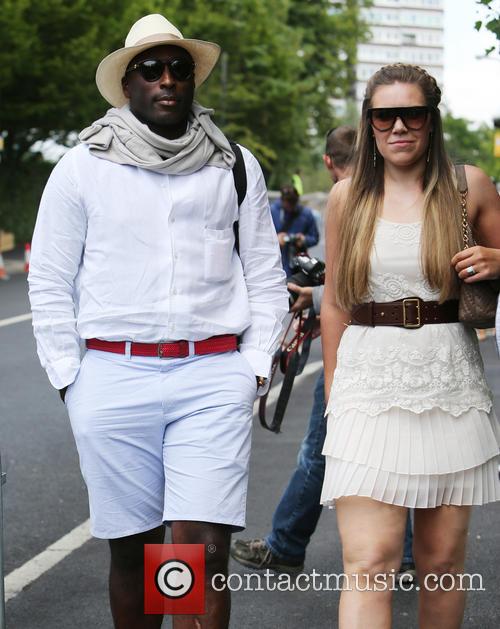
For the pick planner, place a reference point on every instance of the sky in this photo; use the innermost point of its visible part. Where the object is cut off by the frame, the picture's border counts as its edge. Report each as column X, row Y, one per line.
column 471, row 85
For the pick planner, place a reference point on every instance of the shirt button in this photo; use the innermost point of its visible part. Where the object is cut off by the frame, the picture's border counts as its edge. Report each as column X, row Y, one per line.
column 174, row 291
column 172, row 220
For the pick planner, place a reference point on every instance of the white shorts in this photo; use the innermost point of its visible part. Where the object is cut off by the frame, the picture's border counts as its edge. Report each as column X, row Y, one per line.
column 163, row 440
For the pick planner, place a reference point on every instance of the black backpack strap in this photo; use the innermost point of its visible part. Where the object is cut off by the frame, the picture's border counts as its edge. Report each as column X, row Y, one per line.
column 240, row 183
column 239, row 173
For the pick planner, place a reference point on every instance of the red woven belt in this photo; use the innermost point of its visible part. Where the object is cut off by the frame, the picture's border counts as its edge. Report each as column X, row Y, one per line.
column 178, row 349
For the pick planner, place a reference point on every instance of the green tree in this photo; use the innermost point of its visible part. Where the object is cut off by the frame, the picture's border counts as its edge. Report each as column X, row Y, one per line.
column 283, row 61
column 491, row 19
column 471, row 145
column 254, row 90
column 49, row 52
column 330, row 33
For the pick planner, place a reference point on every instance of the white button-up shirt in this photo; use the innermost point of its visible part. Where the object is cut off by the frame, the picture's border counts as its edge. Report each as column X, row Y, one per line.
column 122, row 253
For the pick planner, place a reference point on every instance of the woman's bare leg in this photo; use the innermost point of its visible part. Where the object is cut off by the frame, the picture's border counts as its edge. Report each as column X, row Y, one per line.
column 372, row 535
column 440, row 537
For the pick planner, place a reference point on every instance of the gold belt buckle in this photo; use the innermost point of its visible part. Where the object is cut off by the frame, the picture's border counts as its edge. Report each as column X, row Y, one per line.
column 416, row 302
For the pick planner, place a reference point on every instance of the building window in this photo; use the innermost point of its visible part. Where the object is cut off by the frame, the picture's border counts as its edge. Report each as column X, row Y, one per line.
column 409, row 39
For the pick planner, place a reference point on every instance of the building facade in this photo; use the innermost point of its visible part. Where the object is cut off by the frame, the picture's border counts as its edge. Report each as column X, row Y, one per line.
column 408, row 31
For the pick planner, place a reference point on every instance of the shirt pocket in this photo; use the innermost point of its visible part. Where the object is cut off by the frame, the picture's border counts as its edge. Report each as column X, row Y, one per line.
column 219, row 245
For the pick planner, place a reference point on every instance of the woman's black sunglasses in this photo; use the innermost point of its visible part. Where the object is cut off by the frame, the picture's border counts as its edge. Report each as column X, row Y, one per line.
column 384, row 118
column 152, row 70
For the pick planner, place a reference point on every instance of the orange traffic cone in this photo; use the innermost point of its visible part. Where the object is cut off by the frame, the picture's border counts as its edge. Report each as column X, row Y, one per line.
column 3, row 272
column 27, row 255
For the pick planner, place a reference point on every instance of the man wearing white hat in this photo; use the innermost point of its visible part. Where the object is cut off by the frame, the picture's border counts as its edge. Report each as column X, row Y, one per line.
column 134, row 255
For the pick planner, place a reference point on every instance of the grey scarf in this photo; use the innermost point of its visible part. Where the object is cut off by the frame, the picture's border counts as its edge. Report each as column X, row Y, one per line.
column 120, row 137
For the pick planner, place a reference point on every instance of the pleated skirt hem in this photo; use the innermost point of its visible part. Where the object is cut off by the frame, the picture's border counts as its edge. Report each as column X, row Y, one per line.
column 474, row 486
column 430, row 443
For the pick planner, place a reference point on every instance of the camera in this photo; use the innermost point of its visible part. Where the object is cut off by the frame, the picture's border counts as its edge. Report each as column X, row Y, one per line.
column 307, row 272
column 290, row 239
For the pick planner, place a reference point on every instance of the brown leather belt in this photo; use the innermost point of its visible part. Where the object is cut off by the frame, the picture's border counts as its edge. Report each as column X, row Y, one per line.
column 177, row 349
column 410, row 313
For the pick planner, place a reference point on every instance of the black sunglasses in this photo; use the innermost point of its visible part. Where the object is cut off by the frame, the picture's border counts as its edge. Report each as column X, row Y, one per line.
column 384, row 118
column 152, row 70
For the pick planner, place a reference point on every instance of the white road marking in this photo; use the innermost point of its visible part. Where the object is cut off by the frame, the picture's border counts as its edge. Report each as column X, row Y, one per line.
column 18, row 579
column 18, row 319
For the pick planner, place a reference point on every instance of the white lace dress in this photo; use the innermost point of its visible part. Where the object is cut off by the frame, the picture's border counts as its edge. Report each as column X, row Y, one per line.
column 410, row 416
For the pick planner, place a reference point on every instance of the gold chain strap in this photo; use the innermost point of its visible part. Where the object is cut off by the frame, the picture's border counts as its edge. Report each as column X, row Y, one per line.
column 465, row 219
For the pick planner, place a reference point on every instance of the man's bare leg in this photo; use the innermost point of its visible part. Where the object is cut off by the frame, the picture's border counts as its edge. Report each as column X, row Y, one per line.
column 218, row 604
column 126, row 580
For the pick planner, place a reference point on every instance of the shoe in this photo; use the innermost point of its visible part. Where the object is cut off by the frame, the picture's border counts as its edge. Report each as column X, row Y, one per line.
column 254, row 553
column 407, row 573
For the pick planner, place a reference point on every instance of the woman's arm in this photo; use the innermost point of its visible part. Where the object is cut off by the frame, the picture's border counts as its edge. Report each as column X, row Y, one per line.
column 333, row 319
column 483, row 207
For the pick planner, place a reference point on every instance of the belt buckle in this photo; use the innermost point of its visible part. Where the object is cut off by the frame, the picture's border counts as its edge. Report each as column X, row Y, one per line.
column 412, row 301
column 183, row 349
column 161, row 347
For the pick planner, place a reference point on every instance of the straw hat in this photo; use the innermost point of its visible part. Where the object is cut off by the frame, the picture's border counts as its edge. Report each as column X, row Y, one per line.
column 148, row 32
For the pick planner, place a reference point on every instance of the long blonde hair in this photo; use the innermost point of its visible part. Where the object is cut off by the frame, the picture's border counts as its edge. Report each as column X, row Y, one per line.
column 441, row 229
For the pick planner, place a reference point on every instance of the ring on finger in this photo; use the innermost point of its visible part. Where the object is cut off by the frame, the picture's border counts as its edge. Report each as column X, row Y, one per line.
column 471, row 271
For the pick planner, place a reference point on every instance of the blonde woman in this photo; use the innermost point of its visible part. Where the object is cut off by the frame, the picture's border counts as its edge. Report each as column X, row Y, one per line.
column 410, row 416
